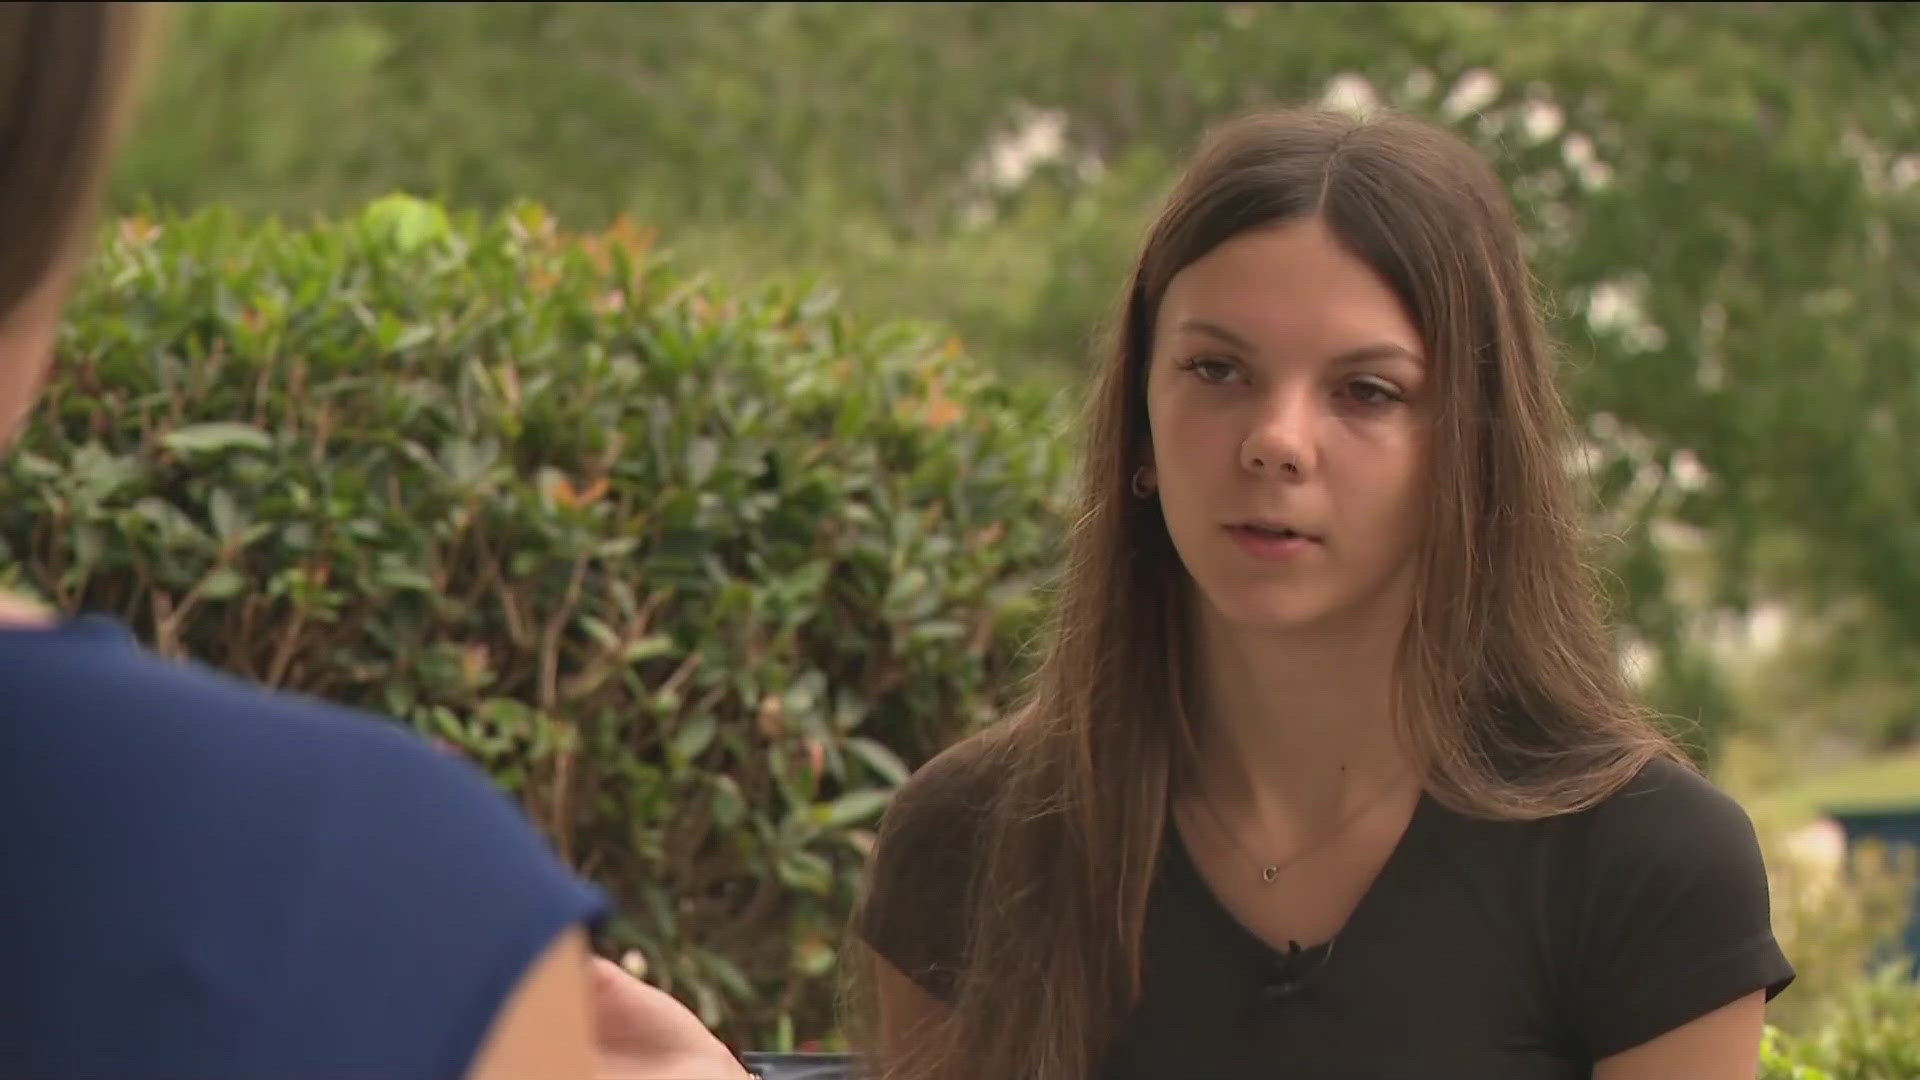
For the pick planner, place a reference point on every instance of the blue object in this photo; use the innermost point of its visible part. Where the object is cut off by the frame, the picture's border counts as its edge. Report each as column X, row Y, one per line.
column 1891, row 826
column 768, row 1066
column 199, row 878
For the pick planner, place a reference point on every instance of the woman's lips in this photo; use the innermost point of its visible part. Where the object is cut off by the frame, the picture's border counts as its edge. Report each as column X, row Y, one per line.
column 1265, row 544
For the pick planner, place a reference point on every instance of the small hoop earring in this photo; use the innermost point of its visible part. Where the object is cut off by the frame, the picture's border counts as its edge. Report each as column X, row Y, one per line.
column 1142, row 486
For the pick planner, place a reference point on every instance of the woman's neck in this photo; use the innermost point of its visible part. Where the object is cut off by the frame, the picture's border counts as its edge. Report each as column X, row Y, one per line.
column 1297, row 728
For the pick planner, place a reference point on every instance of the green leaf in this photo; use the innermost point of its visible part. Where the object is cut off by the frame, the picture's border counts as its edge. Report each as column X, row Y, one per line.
column 224, row 583
column 228, row 525
column 783, row 1028
column 729, row 975
column 649, row 647
column 805, row 693
column 618, row 547
column 448, row 724
column 174, row 527
column 600, row 632
column 402, row 578
column 805, row 871
column 729, row 805
column 695, row 735
column 214, row 436
column 813, row 958
column 908, row 589
column 388, row 330
column 406, row 222
column 852, row 809
column 35, row 467
column 880, row 759
column 702, row 455
column 935, row 630
column 711, row 1012
column 413, row 335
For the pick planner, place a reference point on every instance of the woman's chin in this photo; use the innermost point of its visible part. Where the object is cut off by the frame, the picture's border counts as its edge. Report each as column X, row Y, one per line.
column 1271, row 610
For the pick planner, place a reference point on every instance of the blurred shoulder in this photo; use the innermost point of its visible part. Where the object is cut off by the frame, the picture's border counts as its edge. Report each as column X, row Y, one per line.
column 167, row 755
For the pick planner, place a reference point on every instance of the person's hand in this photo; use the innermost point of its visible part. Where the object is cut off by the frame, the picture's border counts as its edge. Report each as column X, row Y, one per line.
column 644, row 1033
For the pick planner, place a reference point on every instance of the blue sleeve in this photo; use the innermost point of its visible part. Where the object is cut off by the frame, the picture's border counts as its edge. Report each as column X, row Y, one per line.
column 429, row 896
column 207, row 880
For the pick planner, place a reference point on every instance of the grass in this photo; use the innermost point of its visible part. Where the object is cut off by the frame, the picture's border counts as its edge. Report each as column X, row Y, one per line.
column 1880, row 781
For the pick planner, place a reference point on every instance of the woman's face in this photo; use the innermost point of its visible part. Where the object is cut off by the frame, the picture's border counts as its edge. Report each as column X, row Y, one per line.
column 1287, row 401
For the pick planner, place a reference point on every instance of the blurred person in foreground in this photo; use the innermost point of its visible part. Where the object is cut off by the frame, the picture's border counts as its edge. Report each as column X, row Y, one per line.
column 206, row 880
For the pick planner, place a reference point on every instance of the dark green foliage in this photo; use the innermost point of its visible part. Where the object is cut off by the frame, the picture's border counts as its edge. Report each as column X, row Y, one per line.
column 699, row 577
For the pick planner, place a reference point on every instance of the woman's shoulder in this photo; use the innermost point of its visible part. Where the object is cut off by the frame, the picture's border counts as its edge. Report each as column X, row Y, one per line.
column 1670, row 807
column 931, row 835
column 231, row 814
column 174, row 751
column 1664, row 805
column 1666, row 909
column 121, row 722
column 240, row 778
column 1667, row 831
column 954, row 786
column 930, row 846
column 1666, row 820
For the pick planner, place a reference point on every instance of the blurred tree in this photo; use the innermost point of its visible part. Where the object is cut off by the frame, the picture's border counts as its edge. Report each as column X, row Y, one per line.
column 1722, row 197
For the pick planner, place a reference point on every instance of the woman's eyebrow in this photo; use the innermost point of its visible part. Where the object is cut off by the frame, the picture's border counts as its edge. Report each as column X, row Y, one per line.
column 1379, row 350
column 1215, row 330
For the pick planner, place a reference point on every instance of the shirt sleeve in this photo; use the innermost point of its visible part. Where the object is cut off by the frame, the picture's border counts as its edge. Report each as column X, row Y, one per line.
column 242, row 884
column 913, row 911
column 1675, row 920
column 429, row 897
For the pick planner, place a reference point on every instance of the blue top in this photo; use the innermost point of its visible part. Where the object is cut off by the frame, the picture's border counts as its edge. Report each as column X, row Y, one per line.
column 206, row 880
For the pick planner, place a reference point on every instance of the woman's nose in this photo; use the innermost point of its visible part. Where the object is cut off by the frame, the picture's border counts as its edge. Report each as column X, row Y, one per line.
column 1280, row 443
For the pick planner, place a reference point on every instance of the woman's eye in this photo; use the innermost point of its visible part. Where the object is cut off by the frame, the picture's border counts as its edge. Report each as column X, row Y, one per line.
column 1373, row 392
column 1209, row 369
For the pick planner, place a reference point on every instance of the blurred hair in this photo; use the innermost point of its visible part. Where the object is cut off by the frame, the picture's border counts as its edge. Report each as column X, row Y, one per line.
column 66, row 72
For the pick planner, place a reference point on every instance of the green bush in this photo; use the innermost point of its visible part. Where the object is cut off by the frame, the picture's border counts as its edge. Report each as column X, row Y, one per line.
column 1874, row 1036
column 1853, row 1011
column 698, row 576
column 1836, row 923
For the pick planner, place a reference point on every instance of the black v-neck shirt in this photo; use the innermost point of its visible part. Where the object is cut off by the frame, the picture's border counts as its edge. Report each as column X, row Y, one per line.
column 1520, row 950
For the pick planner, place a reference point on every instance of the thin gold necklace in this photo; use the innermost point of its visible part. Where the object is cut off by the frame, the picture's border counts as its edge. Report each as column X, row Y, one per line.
column 1270, row 871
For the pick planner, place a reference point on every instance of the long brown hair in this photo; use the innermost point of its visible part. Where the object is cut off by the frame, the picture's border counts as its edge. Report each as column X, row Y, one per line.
column 66, row 75
column 1510, row 691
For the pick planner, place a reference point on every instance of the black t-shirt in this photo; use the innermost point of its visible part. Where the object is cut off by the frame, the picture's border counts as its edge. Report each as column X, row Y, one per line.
column 1522, row 950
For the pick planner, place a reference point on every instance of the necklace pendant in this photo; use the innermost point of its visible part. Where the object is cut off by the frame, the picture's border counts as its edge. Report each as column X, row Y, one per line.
column 1269, row 874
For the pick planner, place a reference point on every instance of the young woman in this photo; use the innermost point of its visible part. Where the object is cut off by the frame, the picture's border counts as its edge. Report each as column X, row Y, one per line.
column 1329, row 770
column 206, row 880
